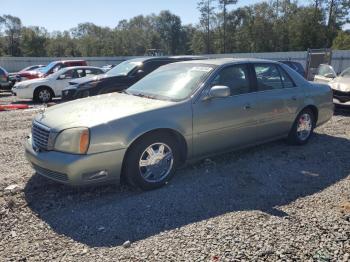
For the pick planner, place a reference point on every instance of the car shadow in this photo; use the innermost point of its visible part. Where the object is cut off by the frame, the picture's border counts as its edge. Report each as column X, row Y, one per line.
column 33, row 103
column 342, row 110
column 263, row 178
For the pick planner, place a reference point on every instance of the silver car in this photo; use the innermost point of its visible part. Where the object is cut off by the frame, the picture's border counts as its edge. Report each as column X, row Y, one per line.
column 180, row 112
column 340, row 84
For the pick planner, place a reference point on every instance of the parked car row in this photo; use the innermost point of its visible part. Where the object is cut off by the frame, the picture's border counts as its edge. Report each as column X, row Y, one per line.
column 58, row 80
column 172, row 110
column 8, row 80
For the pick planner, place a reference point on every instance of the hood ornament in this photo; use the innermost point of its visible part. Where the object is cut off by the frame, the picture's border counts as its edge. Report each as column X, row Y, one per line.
column 42, row 111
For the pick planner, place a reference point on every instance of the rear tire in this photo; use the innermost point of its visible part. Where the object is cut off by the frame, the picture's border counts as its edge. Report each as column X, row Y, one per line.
column 303, row 128
column 151, row 161
column 43, row 95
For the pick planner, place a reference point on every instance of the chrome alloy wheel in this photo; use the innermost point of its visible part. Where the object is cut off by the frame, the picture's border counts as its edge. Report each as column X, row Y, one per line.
column 156, row 162
column 44, row 95
column 304, row 127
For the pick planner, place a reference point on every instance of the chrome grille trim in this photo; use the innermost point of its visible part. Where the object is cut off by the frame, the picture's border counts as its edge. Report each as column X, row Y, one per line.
column 50, row 174
column 40, row 135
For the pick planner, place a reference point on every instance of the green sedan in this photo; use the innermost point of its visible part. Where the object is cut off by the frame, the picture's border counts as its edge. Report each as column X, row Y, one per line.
column 179, row 113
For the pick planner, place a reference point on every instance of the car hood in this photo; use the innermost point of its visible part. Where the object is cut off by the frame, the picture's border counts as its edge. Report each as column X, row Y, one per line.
column 30, row 73
column 97, row 110
column 32, row 81
column 341, row 83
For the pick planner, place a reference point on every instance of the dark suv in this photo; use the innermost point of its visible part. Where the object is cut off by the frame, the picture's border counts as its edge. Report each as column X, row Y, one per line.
column 120, row 77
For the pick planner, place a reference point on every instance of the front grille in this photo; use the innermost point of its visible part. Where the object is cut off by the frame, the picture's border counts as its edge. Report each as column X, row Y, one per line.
column 50, row 174
column 40, row 135
column 341, row 96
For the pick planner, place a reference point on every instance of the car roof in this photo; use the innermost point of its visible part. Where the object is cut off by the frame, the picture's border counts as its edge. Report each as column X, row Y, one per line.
column 82, row 67
column 223, row 61
column 71, row 61
column 161, row 58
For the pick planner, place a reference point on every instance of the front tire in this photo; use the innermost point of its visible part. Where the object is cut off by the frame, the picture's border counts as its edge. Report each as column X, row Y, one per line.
column 43, row 95
column 151, row 161
column 303, row 128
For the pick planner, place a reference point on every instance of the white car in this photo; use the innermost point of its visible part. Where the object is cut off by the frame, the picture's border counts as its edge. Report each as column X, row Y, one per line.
column 44, row 89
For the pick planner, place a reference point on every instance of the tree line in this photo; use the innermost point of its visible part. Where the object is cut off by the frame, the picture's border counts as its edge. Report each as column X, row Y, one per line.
column 276, row 25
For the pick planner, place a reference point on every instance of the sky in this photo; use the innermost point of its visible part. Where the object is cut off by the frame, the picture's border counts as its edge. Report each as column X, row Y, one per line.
column 65, row 14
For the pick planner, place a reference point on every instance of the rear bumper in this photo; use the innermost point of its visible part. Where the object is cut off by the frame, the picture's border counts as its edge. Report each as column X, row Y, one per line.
column 76, row 170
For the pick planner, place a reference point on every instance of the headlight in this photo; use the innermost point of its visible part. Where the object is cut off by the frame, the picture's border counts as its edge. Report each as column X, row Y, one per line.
column 73, row 140
column 21, row 86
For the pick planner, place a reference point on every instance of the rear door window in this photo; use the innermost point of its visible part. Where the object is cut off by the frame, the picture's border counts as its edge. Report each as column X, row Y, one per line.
column 286, row 79
column 268, row 77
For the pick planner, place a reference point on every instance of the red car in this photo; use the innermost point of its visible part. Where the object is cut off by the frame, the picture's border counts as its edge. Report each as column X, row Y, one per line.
column 49, row 69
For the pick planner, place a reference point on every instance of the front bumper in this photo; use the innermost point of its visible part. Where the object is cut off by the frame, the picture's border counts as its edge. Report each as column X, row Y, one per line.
column 341, row 98
column 22, row 93
column 72, row 94
column 76, row 170
column 68, row 94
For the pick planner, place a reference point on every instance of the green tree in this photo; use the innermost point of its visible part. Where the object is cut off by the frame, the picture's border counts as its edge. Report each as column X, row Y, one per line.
column 61, row 44
column 337, row 16
column 342, row 41
column 13, row 26
column 223, row 6
column 169, row 29
column 33, row 41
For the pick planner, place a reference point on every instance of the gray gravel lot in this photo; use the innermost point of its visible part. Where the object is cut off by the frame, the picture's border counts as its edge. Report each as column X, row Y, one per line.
column 271, row 202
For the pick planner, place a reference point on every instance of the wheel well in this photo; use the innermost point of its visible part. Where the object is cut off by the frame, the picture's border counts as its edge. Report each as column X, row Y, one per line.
column 40, row 87
column 314, row 111
column 176, row 135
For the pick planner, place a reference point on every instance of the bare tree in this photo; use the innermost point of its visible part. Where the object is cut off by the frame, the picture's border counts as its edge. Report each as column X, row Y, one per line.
column 223, row 4
column 206, row 9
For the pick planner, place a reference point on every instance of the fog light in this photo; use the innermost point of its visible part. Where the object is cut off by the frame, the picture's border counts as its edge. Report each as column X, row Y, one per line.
column 96, row 176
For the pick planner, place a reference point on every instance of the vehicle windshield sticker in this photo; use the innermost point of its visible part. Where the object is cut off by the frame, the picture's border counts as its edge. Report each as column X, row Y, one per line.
column 202, row 69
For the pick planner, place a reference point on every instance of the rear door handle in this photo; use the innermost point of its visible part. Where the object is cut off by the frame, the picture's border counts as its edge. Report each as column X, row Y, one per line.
column 294, row 98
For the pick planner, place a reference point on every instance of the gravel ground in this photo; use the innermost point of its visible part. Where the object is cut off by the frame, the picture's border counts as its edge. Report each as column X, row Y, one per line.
column 271, row 202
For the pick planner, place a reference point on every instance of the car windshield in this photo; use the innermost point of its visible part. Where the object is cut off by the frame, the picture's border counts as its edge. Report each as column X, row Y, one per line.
column 47, row 68
column 173, row 82
column 123, row 68
column 346, row 73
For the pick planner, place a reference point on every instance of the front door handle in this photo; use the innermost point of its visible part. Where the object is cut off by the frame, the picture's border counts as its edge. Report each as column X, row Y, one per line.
column 294, row 98
column 247, row 107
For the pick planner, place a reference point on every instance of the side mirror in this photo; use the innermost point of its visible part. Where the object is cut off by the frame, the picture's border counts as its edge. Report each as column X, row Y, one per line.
column 330, row 75
column 62, row 77
column 218, row 92
column 140, row 72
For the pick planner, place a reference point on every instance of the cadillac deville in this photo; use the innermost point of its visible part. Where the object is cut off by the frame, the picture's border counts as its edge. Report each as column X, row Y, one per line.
column 180, row 112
